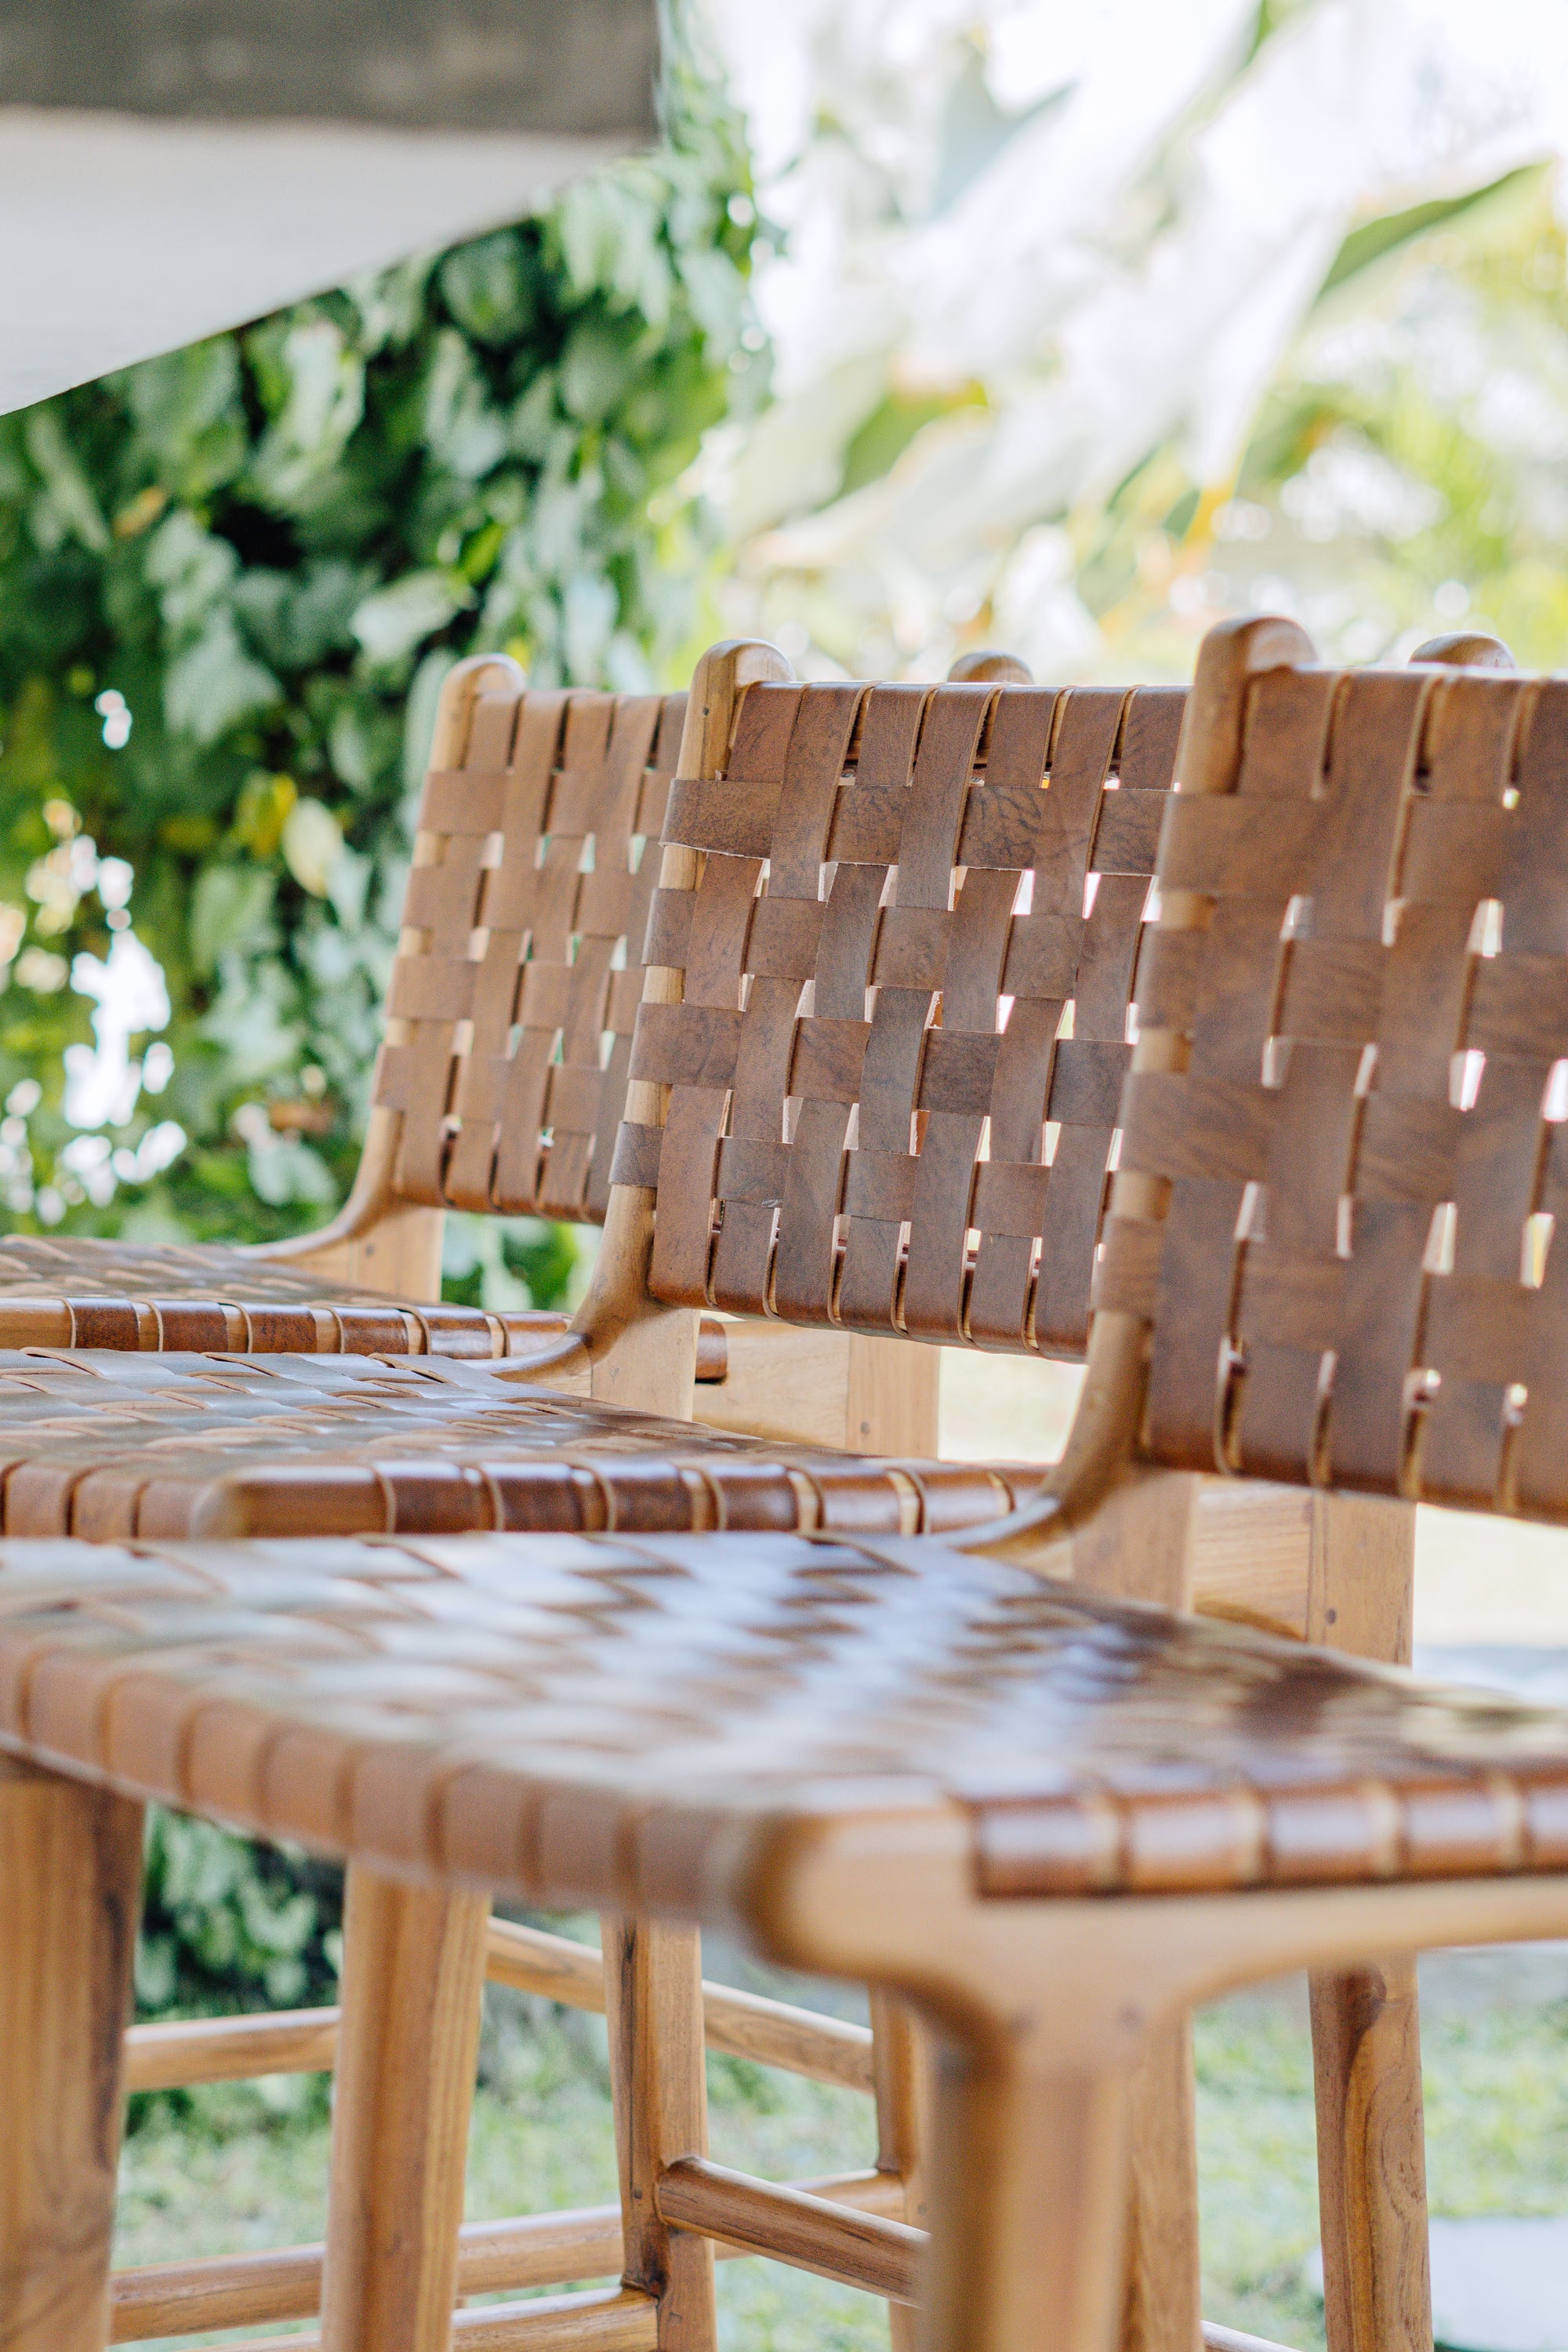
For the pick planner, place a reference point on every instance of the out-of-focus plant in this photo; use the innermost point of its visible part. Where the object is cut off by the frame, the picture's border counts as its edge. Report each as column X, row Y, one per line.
column 231, row 582
column 1039, row 271
column 1408, row 472
column 227, row 1923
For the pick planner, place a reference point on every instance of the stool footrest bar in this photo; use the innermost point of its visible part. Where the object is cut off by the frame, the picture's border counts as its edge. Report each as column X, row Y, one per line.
column 603, row 2319
column 857, row 2248
column 304, row 2040
column 532, row 2250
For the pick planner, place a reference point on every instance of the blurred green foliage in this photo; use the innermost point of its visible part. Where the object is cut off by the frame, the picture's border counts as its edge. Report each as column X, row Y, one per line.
column 230, row 1924
column 1405, row 474
column 231, row 582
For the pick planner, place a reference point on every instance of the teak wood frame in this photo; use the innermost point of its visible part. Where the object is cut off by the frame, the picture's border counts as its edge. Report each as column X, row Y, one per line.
column 1336, row 1569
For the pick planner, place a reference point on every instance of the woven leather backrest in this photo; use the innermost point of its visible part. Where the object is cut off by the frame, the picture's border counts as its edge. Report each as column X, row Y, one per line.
column 1359, row 991
column 895, row 1065
column 517, row 980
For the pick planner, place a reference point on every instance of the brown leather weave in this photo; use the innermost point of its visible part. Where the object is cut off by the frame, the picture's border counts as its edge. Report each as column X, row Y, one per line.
column 523, row 925
column 905, row 971
column 1361, row 1279
column 80, row 1293
column 606, row 1721
column 107, row 1446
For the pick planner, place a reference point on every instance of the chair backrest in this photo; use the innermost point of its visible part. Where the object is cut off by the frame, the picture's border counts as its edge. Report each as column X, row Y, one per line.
column 1345, row 1152
column 534, row 865
column 903, row 953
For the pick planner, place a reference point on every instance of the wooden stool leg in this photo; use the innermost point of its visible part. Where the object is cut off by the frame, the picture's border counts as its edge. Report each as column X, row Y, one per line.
column 1162, row 2311
column 653, row 1989
column 1366, row 2041
column 413, row 1983
column 1143, row 1547
column 893, row 1399
column 70, row 1873
column 1028, row 2197
column 898, row 2057
column 1371, row 2172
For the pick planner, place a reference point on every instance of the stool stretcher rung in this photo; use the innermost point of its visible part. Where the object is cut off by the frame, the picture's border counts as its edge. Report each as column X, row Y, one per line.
column 534, row 2250
column 744, row 2024
column 601, row 2319
column 304, row 2040
column 231, row 2049
column 760, row 2217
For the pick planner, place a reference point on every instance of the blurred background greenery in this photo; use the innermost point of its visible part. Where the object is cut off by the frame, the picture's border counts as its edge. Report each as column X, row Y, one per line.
column 232, row 581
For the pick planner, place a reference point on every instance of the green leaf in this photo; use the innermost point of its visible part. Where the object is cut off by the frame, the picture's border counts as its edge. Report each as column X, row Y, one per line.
column 1375, row 238
column 190, row 415
column 69, row 500
column 462, row 431
column 213, row 683
column 489, row 288
column 596, row 368
column 231, row 910
column 323, row 403
column 390, row 623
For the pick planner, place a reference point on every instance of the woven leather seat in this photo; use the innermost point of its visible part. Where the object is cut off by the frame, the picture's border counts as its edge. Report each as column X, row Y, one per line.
column 587, row 1720
column 1042, row 1814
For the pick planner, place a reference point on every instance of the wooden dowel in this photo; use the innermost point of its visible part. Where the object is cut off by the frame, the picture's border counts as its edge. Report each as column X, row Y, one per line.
column 857, row 2248
column 231, row 2049
column 304, row 2040
column 775, row 2034
column 744, row 2024
column 532, row 2250
column 244, row 2290
column 222, row 2291
column 553, row 1966
column 603, row 2319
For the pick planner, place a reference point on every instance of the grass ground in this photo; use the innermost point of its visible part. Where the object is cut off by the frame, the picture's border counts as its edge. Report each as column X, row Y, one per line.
column 242, row 2168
